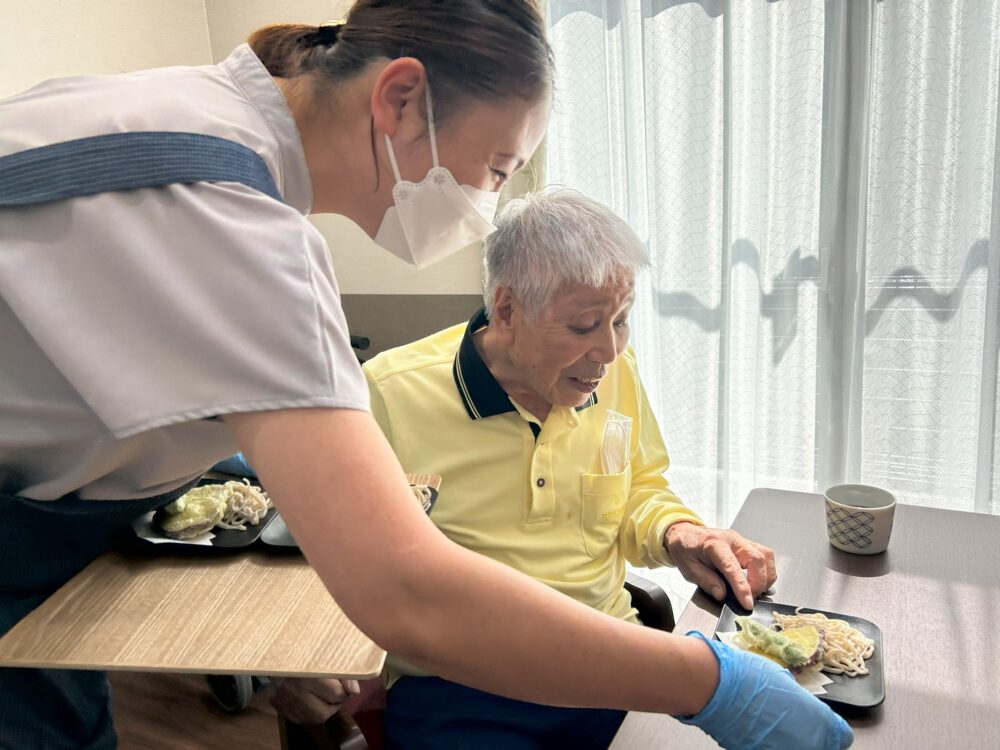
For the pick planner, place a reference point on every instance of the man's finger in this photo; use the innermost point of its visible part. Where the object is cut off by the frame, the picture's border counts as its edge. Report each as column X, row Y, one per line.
column 705, row 578
column 772, row 570
column 330, row 690
column 758, row 561
column 317, row 711
column 303, row 708
column 753, row 558
column 725, row 561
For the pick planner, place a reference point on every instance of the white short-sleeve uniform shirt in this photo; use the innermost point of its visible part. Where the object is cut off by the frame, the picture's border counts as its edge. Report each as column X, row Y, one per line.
column 129, row 321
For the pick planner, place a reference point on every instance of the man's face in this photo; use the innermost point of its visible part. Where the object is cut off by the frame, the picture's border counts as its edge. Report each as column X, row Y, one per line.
column 563, row 355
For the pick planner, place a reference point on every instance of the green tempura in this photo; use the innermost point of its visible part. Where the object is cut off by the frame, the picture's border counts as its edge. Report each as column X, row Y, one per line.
column 755, row 635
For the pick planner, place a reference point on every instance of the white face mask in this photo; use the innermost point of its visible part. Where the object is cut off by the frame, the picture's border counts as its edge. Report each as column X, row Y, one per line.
column 435, row 217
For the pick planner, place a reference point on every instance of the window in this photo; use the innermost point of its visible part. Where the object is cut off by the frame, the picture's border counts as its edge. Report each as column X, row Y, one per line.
column 818, row 186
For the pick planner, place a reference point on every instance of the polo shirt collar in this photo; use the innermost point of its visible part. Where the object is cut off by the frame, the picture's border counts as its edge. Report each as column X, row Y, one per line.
column 480, row 392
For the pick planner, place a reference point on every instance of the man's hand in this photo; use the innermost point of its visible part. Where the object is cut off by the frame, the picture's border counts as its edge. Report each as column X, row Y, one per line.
column 701, row 554
column 311, row 701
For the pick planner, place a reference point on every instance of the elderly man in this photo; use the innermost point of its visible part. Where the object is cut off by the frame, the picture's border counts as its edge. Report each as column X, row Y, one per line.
column 552, row 462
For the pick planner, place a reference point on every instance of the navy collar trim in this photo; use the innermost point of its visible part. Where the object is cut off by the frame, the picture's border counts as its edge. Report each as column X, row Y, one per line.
column 480, row 392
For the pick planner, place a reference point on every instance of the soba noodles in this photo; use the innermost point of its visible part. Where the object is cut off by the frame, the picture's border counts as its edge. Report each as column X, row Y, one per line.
column 845, row 648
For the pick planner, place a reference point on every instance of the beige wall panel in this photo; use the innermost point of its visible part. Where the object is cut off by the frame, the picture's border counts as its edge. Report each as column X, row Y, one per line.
column 393, row 320
column 231, row 21
column 42, row 39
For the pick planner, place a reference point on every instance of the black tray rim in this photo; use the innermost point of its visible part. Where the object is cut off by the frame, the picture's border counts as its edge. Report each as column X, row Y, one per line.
column 232, row 539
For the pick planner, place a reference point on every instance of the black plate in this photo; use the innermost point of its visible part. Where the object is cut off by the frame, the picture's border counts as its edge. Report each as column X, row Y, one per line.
column 278, row 535
column 864, row 691
column 224, row 538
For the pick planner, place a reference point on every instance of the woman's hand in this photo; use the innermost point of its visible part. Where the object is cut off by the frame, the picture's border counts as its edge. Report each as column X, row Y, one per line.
column 310, row 700
column 759, row 705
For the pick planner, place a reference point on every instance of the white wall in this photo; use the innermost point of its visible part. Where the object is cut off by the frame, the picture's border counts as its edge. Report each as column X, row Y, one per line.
column 40, row 40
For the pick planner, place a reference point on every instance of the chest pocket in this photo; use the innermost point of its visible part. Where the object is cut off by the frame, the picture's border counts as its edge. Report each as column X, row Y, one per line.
column 603, row 499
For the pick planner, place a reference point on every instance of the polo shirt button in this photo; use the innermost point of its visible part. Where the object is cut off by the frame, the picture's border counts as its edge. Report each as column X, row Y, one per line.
column 540, row 482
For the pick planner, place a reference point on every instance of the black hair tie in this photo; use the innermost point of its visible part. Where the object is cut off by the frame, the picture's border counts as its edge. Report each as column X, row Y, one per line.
column 325, row 35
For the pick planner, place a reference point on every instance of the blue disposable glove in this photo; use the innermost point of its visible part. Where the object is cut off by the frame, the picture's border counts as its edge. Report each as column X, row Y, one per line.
column 237, row 465
column 759, row 705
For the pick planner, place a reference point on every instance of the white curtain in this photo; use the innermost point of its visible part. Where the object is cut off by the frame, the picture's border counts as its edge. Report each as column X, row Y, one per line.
column 819, row 189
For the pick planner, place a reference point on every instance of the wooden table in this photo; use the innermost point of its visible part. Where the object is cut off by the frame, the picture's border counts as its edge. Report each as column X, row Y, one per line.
column 255, row 613
column 935, row 594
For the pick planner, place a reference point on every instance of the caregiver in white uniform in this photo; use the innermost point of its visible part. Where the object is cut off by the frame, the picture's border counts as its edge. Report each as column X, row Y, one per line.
column 156, row 316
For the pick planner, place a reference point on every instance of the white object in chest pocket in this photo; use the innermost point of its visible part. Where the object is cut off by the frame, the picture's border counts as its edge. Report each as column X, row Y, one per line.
column 616, row 443
column 603, row 498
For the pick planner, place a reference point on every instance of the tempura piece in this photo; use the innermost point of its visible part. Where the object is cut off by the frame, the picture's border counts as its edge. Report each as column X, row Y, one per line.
column 193, row 513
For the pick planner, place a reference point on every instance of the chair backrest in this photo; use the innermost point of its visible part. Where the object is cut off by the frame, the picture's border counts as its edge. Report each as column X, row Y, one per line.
column 652, row 602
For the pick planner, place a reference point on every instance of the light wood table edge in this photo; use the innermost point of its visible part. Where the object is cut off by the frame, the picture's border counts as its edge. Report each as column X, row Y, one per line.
column 120, row 667
column 53, row 622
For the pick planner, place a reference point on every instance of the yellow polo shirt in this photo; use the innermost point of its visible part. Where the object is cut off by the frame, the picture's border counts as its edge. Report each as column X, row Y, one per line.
column 528, row 494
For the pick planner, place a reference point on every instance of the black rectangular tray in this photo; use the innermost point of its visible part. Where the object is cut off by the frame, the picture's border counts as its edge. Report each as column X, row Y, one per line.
column 224, row 538
column 862, row 692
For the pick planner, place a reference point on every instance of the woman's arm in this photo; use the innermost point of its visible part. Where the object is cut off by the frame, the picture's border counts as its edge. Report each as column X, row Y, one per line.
column 460, row 615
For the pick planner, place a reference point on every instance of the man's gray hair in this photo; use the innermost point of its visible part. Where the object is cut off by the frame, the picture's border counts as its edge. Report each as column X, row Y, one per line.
column 553, row 238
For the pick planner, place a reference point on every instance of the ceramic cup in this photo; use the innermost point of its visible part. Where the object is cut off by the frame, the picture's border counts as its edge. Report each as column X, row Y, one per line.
column 859, row 518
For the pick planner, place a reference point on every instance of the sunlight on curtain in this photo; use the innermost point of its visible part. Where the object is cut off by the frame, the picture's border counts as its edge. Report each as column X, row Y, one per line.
column 715, row 159
column 931, row 202
column 782, row 347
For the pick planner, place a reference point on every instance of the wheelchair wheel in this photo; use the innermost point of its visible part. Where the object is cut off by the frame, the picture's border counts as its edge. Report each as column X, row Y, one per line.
column 231, row 692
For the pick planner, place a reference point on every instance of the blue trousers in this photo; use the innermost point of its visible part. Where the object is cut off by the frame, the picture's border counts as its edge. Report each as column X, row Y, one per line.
column 43, row 545
column 431, row 713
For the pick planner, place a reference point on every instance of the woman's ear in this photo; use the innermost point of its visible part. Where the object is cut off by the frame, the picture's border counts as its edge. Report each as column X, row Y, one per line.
column 397, row 97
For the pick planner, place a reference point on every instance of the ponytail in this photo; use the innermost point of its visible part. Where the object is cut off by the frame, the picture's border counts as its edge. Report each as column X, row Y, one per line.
column 485, row 49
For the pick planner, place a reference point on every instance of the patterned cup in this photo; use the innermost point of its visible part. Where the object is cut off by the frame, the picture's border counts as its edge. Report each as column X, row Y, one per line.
column 859, row 518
